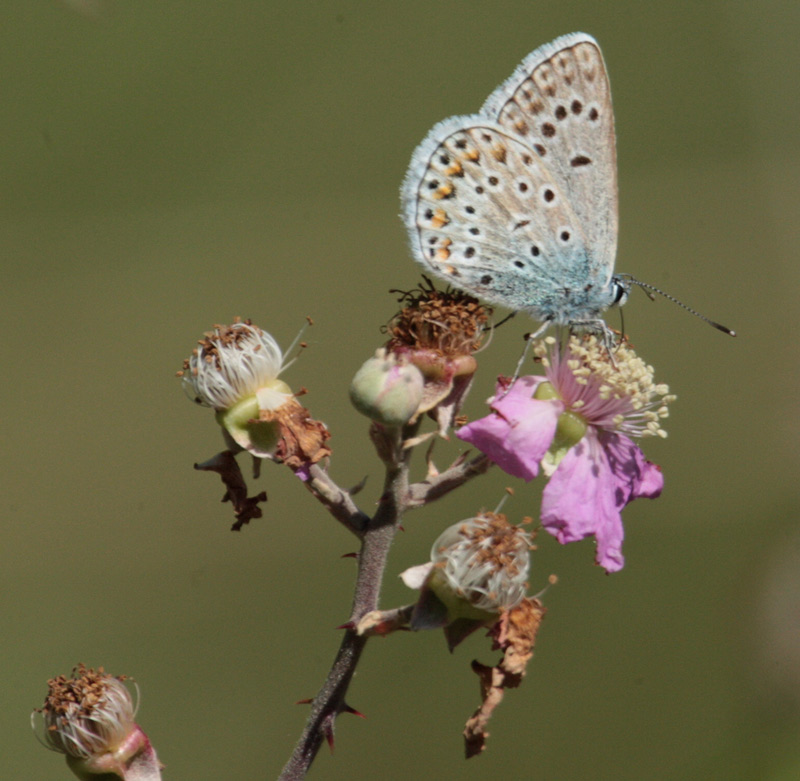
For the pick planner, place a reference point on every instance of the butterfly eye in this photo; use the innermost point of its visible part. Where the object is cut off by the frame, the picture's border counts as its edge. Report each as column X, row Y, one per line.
column 619, row 292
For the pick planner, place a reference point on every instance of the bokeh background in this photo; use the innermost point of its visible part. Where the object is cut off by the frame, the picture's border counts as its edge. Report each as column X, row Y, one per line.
column 168, row 165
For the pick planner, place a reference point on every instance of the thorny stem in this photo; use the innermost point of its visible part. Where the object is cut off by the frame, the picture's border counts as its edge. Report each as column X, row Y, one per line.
column 376, row 536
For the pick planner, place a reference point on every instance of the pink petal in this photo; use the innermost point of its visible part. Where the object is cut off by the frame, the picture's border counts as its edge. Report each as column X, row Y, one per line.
column 517, row 434
column 579, row 501
column 593, row 482
column 635, row 475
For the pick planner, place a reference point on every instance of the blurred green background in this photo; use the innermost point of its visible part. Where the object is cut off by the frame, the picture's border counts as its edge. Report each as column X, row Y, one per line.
column 168, row 165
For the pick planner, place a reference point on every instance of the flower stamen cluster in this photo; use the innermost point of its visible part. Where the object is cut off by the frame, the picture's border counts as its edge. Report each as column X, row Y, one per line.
column 612, row 393
column 88, row 714
column 232, row 362
column 484, row 560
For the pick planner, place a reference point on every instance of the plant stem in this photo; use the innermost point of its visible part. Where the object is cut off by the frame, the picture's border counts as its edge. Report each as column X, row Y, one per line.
column 376, row 541
column 376, row 534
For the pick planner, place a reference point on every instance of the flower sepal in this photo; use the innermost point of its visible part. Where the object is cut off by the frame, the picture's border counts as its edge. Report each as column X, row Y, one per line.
column 241, row 423
column 132, row 760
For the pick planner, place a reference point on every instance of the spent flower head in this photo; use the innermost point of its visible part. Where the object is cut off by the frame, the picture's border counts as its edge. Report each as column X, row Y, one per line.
column 439, row 332
column 90, row 718
column 235, row 371
column 450, row 322
column 478, row 569
column 232, row 363
column 576, row 424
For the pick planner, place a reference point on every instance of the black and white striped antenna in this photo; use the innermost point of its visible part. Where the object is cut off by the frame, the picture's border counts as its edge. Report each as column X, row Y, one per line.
column 653, row 289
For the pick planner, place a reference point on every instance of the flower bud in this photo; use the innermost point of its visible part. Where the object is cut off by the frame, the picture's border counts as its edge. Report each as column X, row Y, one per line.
column 387, row 389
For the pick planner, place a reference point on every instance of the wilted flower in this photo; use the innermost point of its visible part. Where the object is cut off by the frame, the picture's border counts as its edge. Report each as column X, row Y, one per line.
column 90, row 719
column 478, row 568
column 575, row 424
column 438, row 332
column 235, row 371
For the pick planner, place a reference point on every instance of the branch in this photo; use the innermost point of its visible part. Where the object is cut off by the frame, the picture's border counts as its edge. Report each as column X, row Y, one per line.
column 336, row 500
column 377, row 535
column 436, row 486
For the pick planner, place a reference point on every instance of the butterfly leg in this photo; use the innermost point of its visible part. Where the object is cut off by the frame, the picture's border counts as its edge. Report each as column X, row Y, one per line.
column 605, row 334
column 529, row 339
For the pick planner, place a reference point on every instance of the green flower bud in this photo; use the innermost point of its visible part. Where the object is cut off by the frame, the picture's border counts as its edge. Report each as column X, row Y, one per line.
column 387, row 389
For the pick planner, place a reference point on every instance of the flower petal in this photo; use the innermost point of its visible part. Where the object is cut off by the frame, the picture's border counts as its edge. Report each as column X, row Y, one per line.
column 519, row 430
column 415, row 577
column 579, row 501
column 588, row 490
column 635, row 475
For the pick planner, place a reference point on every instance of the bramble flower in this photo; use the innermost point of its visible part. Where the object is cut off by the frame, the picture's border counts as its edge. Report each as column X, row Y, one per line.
column 234, row 370
column 90, row 719
column 438, row 332
column 576, row 424
column 478, row 569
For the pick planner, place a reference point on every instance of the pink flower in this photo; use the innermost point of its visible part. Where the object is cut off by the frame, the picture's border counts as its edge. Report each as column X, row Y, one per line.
column 576, row 424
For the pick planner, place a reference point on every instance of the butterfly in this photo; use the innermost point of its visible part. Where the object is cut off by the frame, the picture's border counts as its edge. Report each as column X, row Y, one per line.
column 518, row 203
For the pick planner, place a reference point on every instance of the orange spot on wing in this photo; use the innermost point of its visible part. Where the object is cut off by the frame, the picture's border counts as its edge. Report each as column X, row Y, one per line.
column 444, row 191
column 443, row 253
column 499, row 153
column 440, row 218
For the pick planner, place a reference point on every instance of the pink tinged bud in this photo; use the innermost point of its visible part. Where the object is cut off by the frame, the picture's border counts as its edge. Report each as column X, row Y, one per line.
column 387, row 389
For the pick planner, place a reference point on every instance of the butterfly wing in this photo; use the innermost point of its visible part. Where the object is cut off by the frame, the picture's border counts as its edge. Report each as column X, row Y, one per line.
column 559, row 101
column 492, row 207
column 487, row 216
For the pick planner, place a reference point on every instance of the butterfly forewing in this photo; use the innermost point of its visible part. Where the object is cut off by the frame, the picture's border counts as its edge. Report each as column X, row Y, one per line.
column 559, row 102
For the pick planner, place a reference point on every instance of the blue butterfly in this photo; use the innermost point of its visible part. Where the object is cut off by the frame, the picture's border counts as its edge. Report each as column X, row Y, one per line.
column 518, row 203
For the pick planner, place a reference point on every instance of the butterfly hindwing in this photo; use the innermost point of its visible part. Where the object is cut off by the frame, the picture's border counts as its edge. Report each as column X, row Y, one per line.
column 474, row 191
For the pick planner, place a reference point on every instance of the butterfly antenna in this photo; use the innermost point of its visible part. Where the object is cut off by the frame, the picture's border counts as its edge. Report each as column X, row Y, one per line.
column 650, row 289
